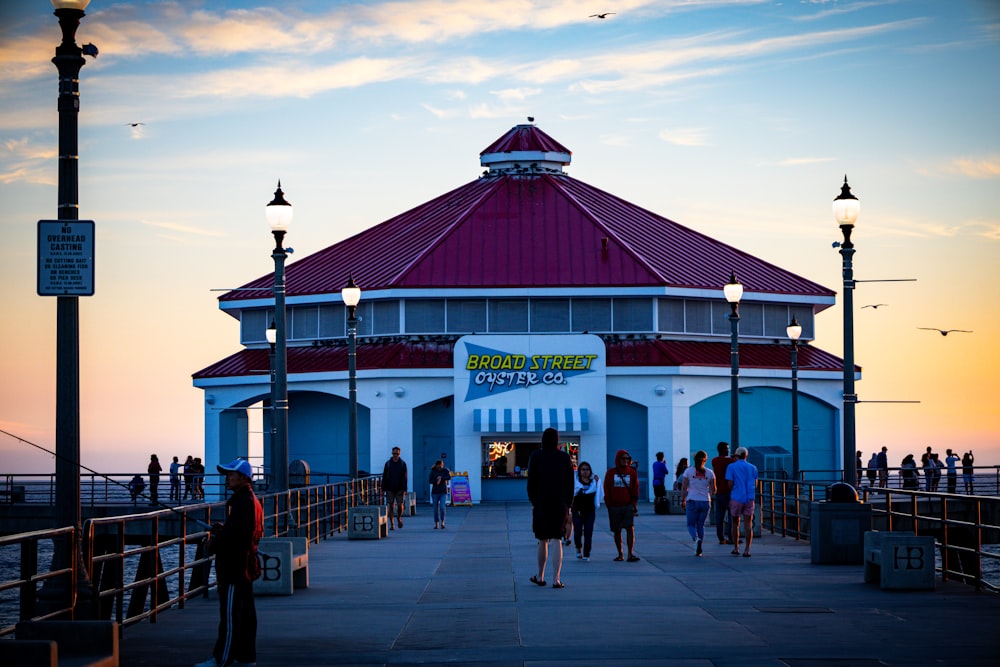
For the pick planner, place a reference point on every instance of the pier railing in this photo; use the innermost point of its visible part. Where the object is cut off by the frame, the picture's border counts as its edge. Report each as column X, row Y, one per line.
column 140, row 565
column 966, row 528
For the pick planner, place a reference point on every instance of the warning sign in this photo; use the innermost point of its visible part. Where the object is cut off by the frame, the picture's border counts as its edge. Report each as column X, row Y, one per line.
column 65, row 257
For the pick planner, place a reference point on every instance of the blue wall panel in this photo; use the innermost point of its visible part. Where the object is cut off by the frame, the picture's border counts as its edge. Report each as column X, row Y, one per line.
column 628, row 428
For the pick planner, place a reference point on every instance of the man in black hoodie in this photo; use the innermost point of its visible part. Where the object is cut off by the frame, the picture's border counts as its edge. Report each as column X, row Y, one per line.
column 550, row 490
column 234, row 544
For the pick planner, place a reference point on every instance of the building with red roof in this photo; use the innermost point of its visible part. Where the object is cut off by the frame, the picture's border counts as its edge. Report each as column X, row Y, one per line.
column 522, row 300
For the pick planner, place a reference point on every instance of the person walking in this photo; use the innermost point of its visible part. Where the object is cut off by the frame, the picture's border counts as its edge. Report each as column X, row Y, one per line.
column 742, row 478
column 395, row 480
column 908, row 471
column 659, row 477
column 719, row 465
column 697, row 487
column 586, row 499
column 175, row 481
column 968, row 469
column 682, row 465
column 550, row 490
column 882, row 463
column 439, row 491
column 154, row 469
column 234, row 544
column 621, row 494
column 951, row 461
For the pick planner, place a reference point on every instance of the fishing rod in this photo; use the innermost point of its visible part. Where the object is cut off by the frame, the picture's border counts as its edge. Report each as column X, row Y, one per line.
column 109, row 479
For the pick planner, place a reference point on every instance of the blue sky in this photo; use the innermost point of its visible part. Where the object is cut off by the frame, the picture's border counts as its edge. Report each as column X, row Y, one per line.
column 736, row 118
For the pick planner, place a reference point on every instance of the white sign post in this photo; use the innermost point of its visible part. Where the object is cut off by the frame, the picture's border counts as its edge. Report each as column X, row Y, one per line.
column 65, row 257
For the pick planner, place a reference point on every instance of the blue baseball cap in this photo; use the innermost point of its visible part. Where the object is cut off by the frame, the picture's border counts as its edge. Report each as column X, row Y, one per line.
column 241, row 466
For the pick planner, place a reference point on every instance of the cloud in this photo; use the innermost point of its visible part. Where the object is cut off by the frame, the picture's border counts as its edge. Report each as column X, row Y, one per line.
column 978, row 168
column 24, row 161
column 516, row 94
column 685, row 136
column 176, row 227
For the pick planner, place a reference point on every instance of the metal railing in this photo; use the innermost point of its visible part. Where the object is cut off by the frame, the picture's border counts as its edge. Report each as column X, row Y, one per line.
column 139, row 565
column 966, row 528
column 985, row 479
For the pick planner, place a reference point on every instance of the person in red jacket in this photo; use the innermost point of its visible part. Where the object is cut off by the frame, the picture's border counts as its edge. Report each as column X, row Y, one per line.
column 234, row 544
column 621, row 493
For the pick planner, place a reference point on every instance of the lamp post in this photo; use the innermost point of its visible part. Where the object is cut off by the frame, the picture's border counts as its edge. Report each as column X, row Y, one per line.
column 351, row 294
column 733, row 290
column 279, row 215
column 68, row 61
column 846, row 208
column 794, row 330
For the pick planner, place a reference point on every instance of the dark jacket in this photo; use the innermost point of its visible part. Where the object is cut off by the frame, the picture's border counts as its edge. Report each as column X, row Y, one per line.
column 234, row 543
column 550, row 478
column 444, row 475
column 394, row 476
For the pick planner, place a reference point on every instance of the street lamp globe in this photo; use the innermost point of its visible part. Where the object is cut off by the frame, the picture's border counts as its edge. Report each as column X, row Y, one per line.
column 271, row 334
column 846, row 206
column 278, row 212
column 733, row 289
column 794, row 330
column 351, row 294
column 70, row 4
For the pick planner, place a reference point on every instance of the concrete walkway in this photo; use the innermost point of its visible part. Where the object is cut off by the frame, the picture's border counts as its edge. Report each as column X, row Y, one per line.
column 462, row 596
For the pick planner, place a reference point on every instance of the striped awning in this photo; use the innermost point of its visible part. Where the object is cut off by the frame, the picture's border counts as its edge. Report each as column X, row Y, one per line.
column 529, row 420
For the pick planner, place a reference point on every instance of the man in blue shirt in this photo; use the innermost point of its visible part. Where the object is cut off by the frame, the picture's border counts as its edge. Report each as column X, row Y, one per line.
column 659, row 477
column 742, row 479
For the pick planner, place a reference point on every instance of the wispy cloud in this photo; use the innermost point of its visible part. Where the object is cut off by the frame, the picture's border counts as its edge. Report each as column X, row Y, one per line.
column 685, row 136
column 184, row 229
column 979, row 168
column 24, row 161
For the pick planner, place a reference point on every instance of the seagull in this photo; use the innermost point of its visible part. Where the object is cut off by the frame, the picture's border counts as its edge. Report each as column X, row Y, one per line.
column 134, row 124
column 876, row 306
column 945, row 332
column 601, row 16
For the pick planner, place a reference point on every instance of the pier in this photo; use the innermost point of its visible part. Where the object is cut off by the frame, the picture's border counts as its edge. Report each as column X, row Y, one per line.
column 463, row 596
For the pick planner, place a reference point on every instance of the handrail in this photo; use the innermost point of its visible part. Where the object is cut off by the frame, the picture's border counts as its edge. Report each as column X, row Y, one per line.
column 785, row 509
column 28, row 576
column 142, row 564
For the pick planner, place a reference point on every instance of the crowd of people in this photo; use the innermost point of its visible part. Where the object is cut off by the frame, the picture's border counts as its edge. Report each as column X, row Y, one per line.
column 187, row 481
column 931, row 467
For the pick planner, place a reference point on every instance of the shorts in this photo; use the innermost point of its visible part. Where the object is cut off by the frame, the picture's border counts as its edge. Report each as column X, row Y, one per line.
column 736, row 508
column 659, row 490
column 620, row 517
column 548, row 522
column 394, row 497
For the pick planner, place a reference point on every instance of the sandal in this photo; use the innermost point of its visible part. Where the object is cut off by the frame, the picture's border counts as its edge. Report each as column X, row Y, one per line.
column 746, row 554
column 559, row 584
column 633, row 559
column 735, row 552
column 619, row 558
column 535, row 580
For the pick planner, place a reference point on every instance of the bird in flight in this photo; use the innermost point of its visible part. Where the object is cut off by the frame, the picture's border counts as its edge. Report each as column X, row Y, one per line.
column 945, row 332
column 876, row 306
column 134, row 124
column 601, row 16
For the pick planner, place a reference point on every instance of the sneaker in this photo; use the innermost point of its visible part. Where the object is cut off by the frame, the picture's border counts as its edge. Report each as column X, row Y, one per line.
column 578, row 554
column 211, row 662
column 586, row 558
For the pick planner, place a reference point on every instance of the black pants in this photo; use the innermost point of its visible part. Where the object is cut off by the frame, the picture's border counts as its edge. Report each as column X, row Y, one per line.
column 722, row 528
column 952, row 483
column 237, row 624
column 583, row 530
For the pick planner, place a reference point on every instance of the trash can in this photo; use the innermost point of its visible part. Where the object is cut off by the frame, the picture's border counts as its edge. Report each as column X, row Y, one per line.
column 838, row 526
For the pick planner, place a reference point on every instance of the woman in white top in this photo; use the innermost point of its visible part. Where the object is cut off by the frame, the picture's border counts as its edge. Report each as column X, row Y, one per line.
column 587, row 493
column 697, row 488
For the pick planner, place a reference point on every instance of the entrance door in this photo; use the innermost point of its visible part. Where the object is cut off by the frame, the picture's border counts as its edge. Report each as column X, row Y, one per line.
column 428, row 450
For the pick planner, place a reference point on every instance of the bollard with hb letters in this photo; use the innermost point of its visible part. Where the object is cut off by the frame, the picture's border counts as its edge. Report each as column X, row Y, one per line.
column 284, row 565
column 367, row 522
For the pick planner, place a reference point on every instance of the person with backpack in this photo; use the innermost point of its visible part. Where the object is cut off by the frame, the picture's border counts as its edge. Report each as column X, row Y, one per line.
column 234, row 545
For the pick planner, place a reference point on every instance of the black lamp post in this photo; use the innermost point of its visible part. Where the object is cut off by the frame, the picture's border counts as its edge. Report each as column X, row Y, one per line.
column 351, row 294
column 846, row 208
column 279, row 215
column 794, row 330
column 733, row 290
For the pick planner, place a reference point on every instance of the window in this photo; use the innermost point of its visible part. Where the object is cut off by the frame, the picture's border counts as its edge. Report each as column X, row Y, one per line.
column 698, row 316
column 805, row 318
column 304, row 322
column 332, row 320
column 253, row 323
column 751, row 319
column 633, row 314
column 776, row 320
column 466, row 316
column 424, row 315
column 364, row 315
column 549, row 315
column 593, row 315
column 670, row 315
column 508, row 315
column 385, row 317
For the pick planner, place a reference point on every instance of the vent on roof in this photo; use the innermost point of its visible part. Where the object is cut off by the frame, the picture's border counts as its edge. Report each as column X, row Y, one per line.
column 525, row 150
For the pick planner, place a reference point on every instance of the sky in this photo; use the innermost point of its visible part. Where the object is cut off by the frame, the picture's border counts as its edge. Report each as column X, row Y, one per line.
column 737, row 118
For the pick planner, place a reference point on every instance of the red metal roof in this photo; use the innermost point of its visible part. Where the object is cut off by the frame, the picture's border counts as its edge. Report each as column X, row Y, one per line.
column 416, row 355
column 530, row 230
column 525, row 138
